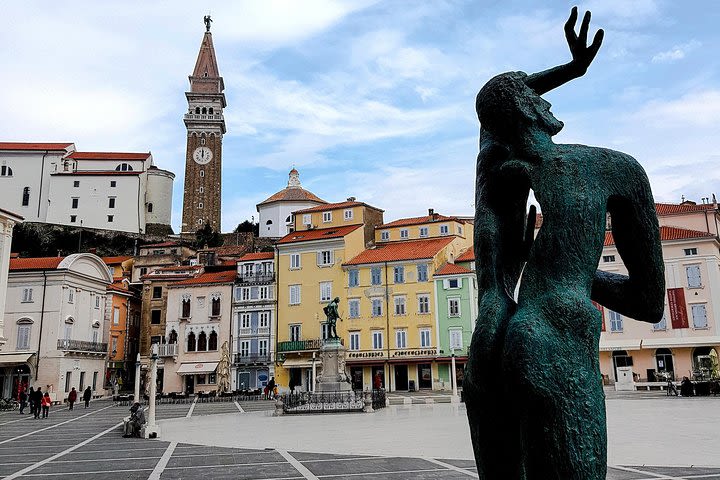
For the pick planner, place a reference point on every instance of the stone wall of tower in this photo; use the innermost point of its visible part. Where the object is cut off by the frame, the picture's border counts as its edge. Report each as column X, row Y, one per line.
column 203, row 184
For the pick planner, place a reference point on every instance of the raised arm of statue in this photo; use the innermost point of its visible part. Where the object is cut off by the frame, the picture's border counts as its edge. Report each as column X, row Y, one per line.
column 582, row 57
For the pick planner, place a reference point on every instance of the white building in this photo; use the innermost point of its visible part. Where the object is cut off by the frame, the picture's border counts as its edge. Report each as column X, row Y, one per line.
column 7, row 222
column 54, row 324
column 53, row 183
column 275, row 212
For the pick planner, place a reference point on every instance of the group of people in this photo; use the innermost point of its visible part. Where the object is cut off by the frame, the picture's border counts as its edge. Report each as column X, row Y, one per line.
column 270, row 389
column 72, row 397
column 40, row 402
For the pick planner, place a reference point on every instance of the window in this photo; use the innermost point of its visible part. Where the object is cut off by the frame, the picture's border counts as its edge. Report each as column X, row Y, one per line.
column 245, row 294
column 111, row 202
column 399, row 305
column 75, row 202
column 294, row 294
column 263, row 347
column 201, row 189
column 444, row 230
column 97, row 301
column 149, row 207
column 71, row 295
column 616, row 321
column 353, row 278
column 423, row 304
column 401, row 338
column 143, row 271
column 423, row 232
column 693, row 276
column 191, row 344
column 244, row 320
column 699, row 316
column 155, row 317
column 425, row 338
column 5, row 171
column 377, row 307
column 76, row 183
column 327, row 217
column 95, row 336
column 375, row 277
column 185, row 308
column 690, row 251
column 173, row 337
column 200, row 205
column 459, row 230
column 325, row 291
column 385, row 235
column 212, row 341
column 377, row 339
column 73, row 218
column 23, row 334
column 453, row 307
column 325, row 258
column 113, row 183
column 452, row 283
column 404, row 234
column 26, row 197
column 94, row 384
column 354, row 340
column 608, row 258
column 110, row 218
column 157, row 292
column 27, row 295
column 399, row 274
column 422, row 272
column 264, row 319
column 354, row 308
column 68, row 380
column 456, row 339
column 82, row 381
column 202, row 341
column 124, row 167
column 215, row 307
column 325, row 331
column 116, row 315
column 264, row 292
column 202, row 173
column 661, row 325
column 295, row 332
column 348, row 214
column 244, row 348
column 294, row 261
column 307, row 219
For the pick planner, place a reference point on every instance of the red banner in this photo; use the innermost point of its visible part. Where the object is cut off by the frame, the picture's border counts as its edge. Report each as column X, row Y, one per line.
column 602, row 313
column 678, row 309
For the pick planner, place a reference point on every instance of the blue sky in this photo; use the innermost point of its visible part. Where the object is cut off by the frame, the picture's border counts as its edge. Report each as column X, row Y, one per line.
column 367, row 99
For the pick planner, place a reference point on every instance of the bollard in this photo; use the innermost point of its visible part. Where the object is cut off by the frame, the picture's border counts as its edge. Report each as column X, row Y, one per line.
column 278, row 407
column 367, row 400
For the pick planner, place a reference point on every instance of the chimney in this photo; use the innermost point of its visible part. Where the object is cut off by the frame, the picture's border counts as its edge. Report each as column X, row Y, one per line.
column 431, row 211
column 351, row 199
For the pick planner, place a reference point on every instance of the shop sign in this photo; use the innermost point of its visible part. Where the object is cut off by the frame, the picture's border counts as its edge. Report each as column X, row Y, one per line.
column 414, row 353
column 371, row 354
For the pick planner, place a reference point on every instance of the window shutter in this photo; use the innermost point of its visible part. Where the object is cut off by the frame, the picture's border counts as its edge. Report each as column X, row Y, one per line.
column 693, row 276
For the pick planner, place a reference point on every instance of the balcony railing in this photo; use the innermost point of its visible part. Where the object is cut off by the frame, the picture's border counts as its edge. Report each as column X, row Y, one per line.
column 168, row 349
column 256, row 278
column 241, row 359
column 81, row 346
column 203, row 116
column 259, row 331
column 300, row 345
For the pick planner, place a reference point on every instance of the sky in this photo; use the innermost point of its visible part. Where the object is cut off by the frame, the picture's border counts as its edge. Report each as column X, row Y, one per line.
column 370, row 99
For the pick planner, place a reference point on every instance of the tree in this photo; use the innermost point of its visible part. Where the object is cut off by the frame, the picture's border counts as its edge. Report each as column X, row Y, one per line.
column 248, row 227
column 206, row 236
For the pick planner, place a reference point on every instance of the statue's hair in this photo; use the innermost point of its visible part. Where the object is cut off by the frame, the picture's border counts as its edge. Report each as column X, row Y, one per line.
column 497, row 103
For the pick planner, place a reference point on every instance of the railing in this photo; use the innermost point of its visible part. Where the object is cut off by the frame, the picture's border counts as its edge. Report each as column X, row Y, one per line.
column 168, row 349
column 81, row 346
column 263, row 331
column 378, row 398
column 308, row 402
column 202, row 116
column 247, row 331
column 299, row 345
column 254, row 358
column 256, row 278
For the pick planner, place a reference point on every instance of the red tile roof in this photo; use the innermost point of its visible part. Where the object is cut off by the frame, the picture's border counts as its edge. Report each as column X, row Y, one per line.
column 248, row 257
column 467, row 256
column 335, row 206
column 664, row 209
column 37, row 263
column 108, row 156
column 397, row 251
column 451, row 269
column 668, row 234
column 224, row 276
column 292, row 194
column 116, row 259
column 96, row 173
column 436, row 217
column 33, row 146
column 317, row 234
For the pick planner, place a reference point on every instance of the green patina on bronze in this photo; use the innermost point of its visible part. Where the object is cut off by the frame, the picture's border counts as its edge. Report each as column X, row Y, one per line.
column 543, row 414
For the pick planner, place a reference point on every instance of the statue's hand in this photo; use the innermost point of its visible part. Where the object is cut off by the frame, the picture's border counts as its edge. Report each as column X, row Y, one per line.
column 582, row 54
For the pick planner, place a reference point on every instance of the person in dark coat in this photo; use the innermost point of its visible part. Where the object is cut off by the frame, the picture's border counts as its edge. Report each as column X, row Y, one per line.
column 38, row 401
column 23, row 400
column 87, row 395
column 271, row 387
column 686, row 387
column 72, row 397
column 31, row 400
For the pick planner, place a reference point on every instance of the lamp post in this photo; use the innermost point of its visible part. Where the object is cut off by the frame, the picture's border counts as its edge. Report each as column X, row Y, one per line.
column 136, row 392
column 151, row 429
column 452, row 375
column 312, row 387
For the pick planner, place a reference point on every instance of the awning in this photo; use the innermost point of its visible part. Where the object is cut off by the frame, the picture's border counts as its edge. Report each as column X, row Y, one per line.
column 613, row 345
column 670, row 342
column 298, row 363
column 15, row 358
column 199, row 367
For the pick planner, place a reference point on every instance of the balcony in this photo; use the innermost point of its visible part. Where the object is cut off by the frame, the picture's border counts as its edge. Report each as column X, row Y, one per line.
column 168, row 349
column 241, row 359
column 79, row 346
column 256, row 278
column 203, row 116
column 249, row 331
column 245, row 332
column 302, row 345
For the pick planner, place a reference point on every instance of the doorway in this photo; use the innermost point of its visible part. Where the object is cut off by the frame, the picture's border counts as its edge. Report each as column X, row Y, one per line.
column 621, row 359
column 401, row 377
column 189, row 384
column 664, row 362
column 381, row 372
column 356, row 377
column 243, row 382
column 425, row 375
column 296, row 380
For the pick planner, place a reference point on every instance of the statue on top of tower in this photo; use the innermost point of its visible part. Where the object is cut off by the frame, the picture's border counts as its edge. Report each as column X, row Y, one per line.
column 207, row 21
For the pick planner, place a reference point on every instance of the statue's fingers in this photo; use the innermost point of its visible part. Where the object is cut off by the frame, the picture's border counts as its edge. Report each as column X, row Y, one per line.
column 597, row 41
column 570, row 26
column 582, row 37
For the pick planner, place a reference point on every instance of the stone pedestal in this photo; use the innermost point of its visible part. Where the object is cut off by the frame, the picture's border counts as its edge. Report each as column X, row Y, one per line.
column 333, row 377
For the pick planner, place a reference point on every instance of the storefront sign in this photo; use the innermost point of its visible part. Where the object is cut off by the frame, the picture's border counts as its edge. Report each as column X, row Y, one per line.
column 414, row 353
column 372, row 354
column 678, row 309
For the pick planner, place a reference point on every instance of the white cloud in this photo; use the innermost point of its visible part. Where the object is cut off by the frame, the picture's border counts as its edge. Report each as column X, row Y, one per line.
column 696, row 109
column 677, row 52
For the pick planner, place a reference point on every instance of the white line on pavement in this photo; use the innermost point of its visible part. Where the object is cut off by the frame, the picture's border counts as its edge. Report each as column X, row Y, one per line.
column 18, row 420
column 452, row 467
column 239, row 407
column 192, row 407
column 53, row 426
column 162, row 463
column 64, row 452
column 650, row 474
column 298, row 466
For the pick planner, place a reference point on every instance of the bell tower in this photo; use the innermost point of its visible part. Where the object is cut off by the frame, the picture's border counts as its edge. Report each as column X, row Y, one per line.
column 205, row 126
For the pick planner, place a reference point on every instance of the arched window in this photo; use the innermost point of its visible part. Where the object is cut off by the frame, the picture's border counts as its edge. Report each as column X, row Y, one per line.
column 197, row 110
column 26, row 197
column 150, row 207
column 664, row 361
column 212, row 344
column 210, row 110
column 204, row 110
column 269, row 222
column 124, row 167
column 186, row 308
column 5, row 171
column 173, row 336
column 23, row 333
column 202, row 342
column 705, row 363
column 191, row 342
column 215, row 308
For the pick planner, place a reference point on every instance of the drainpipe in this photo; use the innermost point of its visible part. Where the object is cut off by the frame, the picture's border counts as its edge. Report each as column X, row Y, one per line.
column 42, row 317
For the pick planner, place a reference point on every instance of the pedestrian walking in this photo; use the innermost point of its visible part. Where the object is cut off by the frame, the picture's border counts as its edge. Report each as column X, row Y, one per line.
column 38, row 396
column 271, row 388
column 45, row 402
column 23, row 400
column 87, row 395
column 31, row 400
column 72, row 397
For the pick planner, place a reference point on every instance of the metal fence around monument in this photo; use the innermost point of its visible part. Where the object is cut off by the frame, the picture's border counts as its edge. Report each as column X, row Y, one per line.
column 327, row 402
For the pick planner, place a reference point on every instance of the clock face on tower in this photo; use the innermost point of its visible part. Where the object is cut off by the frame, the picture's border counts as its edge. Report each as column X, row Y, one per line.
column 202, row 155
